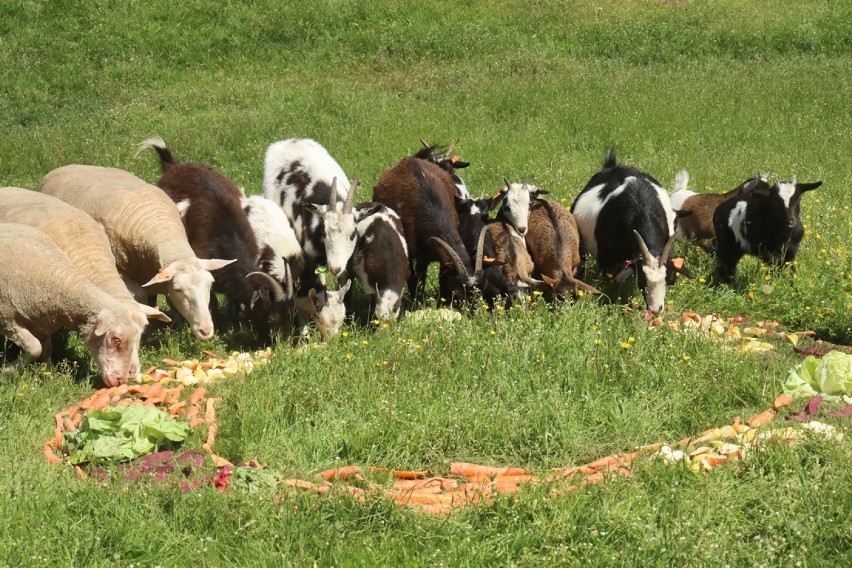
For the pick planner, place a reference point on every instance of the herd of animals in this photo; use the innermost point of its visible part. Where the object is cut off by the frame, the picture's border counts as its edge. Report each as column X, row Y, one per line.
column 94, row 247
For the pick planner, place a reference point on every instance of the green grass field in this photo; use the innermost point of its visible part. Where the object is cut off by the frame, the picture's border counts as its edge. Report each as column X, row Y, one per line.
column 533, row 90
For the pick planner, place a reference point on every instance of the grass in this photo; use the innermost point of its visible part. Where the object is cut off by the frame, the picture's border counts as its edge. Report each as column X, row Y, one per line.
column 536, row 90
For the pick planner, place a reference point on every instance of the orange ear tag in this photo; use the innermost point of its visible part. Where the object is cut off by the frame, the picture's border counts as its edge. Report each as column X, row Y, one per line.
column 488, row 259
column 677, row 262
column 455, row 159
column 163, row 273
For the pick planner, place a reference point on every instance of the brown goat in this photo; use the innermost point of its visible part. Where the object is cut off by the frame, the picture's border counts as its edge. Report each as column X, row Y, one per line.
column 511, row 254
column 553, row 242
column 695, row 219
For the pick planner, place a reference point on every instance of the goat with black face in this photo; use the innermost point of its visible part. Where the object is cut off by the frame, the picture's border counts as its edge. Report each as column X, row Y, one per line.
column 766, row 226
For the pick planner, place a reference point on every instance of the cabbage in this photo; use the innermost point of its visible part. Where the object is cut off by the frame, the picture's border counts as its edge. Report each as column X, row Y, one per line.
column 830, row 376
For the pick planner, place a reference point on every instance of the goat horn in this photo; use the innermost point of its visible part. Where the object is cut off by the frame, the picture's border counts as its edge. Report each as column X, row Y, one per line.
column 646, row 254
column 350, row 198
column 508, row 185
column 264, row 280
column 332, row 198
column 452, row 147
column 460, row 268
column 480, row 247
column 425, row 144
column 288, row 274
column 667, row 250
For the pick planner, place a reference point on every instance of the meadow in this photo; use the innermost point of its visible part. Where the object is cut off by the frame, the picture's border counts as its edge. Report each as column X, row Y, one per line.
column 533, row 90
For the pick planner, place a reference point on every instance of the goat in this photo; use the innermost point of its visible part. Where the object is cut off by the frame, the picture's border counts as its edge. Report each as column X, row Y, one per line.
column 510, row 252
column 697, row 226
column 553, row 242
column 420, row 192
column 624, row 217
column 766, row 226
column 146, row 235
column 446, row 161
column 298, row 172
column 217, row 226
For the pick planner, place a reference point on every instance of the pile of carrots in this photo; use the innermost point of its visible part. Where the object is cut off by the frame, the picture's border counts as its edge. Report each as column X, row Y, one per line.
column 148, row 394
column 473, row 483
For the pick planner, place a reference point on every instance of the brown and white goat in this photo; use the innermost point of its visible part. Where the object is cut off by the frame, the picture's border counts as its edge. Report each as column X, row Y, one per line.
column 553, row 242
column 697, row 209
column 510, row 252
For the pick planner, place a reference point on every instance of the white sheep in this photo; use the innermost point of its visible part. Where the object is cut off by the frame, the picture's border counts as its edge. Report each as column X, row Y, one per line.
column 147, row 237
column 41, row 291
column 86, row 244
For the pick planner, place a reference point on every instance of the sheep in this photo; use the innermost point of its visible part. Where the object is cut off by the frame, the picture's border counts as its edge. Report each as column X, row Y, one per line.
column 697, row 225
column 766, row 226
column 146, row 235
column 87, row 246
column 41, row 291
column 553, row 242
column 418, row 191
column 216, row 225
column 299, row 172
column 624, row 217
column 446, row 161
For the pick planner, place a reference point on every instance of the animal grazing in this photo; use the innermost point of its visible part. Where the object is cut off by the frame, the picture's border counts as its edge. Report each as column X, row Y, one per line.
column 696, row 225
column 553, row 242
column 146, row 235
column 87, row 246
column 325, row 307
column 297, row 174
column 626, row 221
column 279, row 251
column 339, row 230
column 446, row 161
column 766, row 226
column 217, row 226
column 421, row 194
column 510, row 252
column 41, row 291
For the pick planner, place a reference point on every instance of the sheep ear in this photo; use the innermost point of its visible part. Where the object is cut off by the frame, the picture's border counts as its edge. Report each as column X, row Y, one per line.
column 153, row 313
column 164, row 275
column 104, row 321
column 211, row 264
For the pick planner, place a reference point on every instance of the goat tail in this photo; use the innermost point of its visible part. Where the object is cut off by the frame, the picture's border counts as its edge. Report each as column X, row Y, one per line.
column 158, row 144
column 681, row 181
column 609, row 159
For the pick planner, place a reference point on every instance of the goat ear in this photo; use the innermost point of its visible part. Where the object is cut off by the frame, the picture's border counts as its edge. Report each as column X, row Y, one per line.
column 153, row 313
column 260, row 295
column 677, row 265
column 586, row 287
column 626, row 271
column 345, row 288
column 535, row 193
column 802, row 187
column 552, row 282
column 458, row 164
column 488, row 261
column 315, row 209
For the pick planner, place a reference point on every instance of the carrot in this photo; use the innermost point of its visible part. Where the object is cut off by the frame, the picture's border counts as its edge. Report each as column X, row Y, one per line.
column 68, row 425
column 517, row 479
column 605, row 462
column 210, row 418
column 439, row 482
column 760, row 419
column 176, row 407
column 782, row 399
column 475, row 470
column 155, row 390
column 192, row 412
column 49, row 453
column 399, row 474
column 593, row 478
column 150, row 370
column 299, row 484
column 171, row 363
column 342, row 473
column 125, row 401
column 423, row 497
column 197, row 395
column 211, row 354
column 506, row 488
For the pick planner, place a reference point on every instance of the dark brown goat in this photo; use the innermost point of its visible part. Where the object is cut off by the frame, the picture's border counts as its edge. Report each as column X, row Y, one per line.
column 421, row 193
column 211, row 209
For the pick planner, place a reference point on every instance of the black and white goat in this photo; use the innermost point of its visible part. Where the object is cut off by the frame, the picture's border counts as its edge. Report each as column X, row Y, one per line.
column 445, row 159
column 696, row 226
column 766, row 226
column 282, row 258
column 216, row 225
column 627, row 222
column 298, row 174
column 421, row 194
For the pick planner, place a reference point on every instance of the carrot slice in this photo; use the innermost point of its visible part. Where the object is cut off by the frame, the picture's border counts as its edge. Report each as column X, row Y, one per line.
column 197, row 395
column 782, row 399
column 342, row 473
column 476, row 470
column 760, row 419
column 400, row 474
